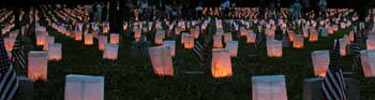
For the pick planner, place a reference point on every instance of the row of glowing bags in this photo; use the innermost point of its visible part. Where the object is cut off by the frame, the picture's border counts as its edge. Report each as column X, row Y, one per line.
column 320, row 59
column 84, row 87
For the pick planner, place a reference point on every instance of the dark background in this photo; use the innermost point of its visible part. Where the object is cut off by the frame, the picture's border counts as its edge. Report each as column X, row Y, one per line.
column 361, row 6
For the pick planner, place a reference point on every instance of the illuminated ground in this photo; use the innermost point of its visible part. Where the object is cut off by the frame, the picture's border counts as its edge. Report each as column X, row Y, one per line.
column 133, row 79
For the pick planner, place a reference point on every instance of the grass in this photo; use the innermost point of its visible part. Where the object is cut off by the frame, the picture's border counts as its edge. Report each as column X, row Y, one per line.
column 132, row 79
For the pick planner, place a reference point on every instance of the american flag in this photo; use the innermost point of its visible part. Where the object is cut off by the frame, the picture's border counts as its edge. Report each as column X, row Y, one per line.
column 18, row 55
column 198, row 50
column 356, row 51
column 8, row 77
column 333, row 85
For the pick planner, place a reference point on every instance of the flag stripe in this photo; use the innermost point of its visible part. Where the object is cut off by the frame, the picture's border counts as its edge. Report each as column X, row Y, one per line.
column 328, row 89
column 325, row 90
column 333, row 85
column 13, row 91
column 198, row 50
column 356, row 51
column 9, row 87
column 340, row 84
column 19, row 58
column 3, row 81
column 18, row 54
column 8, row 77
column 330, row 84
